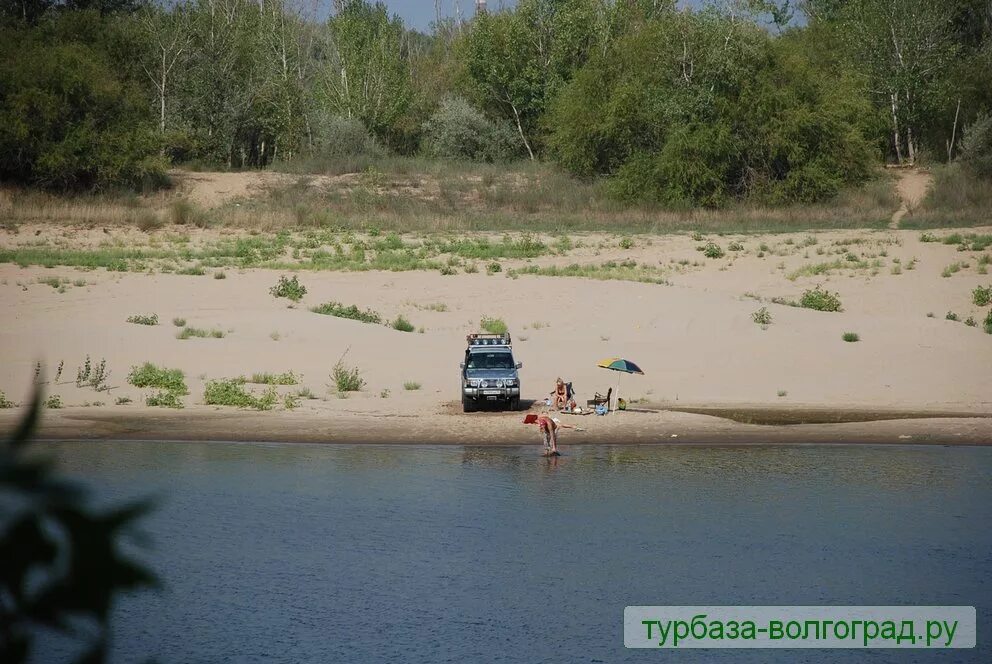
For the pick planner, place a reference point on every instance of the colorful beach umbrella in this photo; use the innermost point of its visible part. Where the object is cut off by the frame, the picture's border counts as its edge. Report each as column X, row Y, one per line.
column 621, row 366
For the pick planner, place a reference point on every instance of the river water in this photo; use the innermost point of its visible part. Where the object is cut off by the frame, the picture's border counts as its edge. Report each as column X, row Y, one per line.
column 310, row 553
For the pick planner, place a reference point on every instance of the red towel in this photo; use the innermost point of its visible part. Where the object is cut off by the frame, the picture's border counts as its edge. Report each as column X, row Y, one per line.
column 530, row 418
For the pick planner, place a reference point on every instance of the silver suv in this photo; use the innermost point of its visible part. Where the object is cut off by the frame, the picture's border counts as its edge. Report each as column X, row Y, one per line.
column 489, row 373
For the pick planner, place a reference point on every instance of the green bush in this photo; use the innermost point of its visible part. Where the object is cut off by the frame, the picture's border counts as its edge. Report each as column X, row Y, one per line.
column 347, row 379
column 976, row 146
column 5, row 402
column 712, row 250
column 952, row 316
column 164, row 400
column 138, row 319
column 266, row 378
column 402, row 324
column 231, row 392
column 289, row 288
column 339, row 136
column 493, row 325
column 411, row 386
column 149, row 375
column 457, row 130
column 988, row 322
column 851, row 337
column 762, row 316
column 351, row 312
column 69, row 117
column 54, row 402
column 820, row 300
column 982, row 296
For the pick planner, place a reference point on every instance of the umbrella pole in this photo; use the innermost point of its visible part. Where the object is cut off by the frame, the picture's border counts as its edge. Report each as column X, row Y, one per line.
column 616, row 395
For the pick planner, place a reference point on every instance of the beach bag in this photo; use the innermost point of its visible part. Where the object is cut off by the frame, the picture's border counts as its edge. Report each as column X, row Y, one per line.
column 602, row 409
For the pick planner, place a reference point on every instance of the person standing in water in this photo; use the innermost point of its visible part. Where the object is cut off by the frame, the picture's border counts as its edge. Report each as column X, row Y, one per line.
column 548, row 426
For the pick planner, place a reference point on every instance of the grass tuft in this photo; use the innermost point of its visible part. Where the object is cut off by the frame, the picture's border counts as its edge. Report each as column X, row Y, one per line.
column 231, row 392
column 493, row 325
column 411, row 386
column 138, row 319
column 289, row 288
column 200, row 333
column 850, row 337
column 351, row 312
column 347, row 379
column 402, row 324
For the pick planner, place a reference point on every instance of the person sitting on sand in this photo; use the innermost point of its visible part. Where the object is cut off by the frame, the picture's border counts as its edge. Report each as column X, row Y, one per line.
column 560, row 394
column 548, row 426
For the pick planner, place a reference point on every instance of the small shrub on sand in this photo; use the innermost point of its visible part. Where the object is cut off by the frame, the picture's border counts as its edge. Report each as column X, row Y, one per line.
column 494, row 267
column 762, row 316
column 347, row 379
column 735, row 246
column 289, row 288
column 850, row 337
column 351, row 312
column 402, row 324
column 220, row 275
column 200, row 333
column 982, row 296
column 782, row 393
column 626, row 243
column 231, row 392
column 138, row 319
column 164, row 399
column 820, row 300
column 5, row 402
column 94, row 375
column 54, row 402
column 988, row 323
column 952, row 316
column 970, row 321
column 179, row 322
column 266, row 378
column 149, row 375
column 291, row 401
column 122, row 401
column 411, row 386
column 187, row 213
column 493, row 325
column 711, row 250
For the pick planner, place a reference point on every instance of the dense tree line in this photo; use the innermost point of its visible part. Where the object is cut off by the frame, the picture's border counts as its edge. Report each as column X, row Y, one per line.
column 740, row 100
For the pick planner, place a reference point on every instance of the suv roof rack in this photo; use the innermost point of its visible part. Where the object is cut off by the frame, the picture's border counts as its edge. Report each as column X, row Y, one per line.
column 481, row 339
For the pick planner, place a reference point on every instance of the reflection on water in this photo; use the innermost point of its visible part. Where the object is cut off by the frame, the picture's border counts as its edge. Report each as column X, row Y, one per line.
column 336, row 553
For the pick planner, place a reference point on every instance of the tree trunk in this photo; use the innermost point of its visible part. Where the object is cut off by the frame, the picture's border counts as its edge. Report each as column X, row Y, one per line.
column 895, row 127
column 910, row 146
column 954, row 132
column 520, row 129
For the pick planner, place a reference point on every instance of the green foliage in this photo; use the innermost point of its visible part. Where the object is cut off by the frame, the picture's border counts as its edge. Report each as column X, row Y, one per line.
column 54, row 402
column 712, row 250
column 976, row 146
column 402, row 324
column 982, row 296
column 63, row 559
column 352, row 312
column 164, row 400
column 762, row 316
column 411, row 386
column 93, row 375
column 851, row 337
column 493, row 268
column 987, row 324
column 347, row 379
column 951, row 316
column 493, row 325
column 820, row 300
column 459, row 131
column 289, row 288
column 231, row 392
column 266, row 378
column 748, row 117
column 199, row 333
column 5, row 402
column 179, row 322
column 71, row 116
column 150, row 375
column 139, row 319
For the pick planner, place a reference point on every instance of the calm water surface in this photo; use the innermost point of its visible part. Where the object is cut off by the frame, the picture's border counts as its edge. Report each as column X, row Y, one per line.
column 293, row 553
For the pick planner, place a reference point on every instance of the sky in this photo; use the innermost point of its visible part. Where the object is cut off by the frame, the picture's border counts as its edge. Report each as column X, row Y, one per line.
column 419, row 14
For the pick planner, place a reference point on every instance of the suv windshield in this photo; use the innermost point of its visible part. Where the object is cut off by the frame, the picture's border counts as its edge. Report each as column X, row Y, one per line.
column 501, row 360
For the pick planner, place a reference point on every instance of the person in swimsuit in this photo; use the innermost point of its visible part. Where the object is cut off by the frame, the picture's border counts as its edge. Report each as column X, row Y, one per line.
column 548, row 426
column 560, row 394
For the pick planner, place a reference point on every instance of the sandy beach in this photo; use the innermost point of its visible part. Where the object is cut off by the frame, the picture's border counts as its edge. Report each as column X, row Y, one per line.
column 693, row 335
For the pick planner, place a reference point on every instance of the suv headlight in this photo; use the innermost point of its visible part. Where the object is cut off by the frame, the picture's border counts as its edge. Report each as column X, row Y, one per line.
column 511, row 382
column 472, row 382
column 499, row 383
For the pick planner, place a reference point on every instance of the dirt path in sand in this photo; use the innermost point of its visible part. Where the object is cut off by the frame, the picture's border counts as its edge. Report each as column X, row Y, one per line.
column 912, row 187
